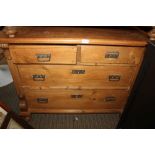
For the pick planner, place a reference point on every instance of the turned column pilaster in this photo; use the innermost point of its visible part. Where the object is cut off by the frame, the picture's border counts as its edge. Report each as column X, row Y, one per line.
column 10, row 31
column 152, row 34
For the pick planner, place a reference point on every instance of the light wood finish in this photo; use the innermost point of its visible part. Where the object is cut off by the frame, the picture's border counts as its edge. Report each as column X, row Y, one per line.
column 62, row 76
column 101, row 54
column 44, row 54
column 76, row 35
column 76, row 99
column 77, row 70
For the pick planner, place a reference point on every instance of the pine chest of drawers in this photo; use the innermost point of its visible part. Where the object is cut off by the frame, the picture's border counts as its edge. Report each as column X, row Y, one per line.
column 72, row 69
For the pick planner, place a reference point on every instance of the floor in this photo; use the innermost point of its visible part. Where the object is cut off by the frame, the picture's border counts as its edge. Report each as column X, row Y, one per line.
column 60, row 121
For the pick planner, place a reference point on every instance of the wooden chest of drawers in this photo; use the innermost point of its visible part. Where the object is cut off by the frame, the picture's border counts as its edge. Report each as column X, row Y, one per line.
column 59, row 70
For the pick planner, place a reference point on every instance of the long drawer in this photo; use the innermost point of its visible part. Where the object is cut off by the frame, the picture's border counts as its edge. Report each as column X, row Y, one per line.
column 76, row 99
column 43, row 54
column 111, row 55
column 63, row 76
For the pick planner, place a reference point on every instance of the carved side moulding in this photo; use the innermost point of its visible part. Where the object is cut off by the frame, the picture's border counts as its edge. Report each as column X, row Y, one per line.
column 4, row 46
column 22, row 103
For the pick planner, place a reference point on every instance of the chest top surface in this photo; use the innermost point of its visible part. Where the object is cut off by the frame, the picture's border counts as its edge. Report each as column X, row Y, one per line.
column 72, row 35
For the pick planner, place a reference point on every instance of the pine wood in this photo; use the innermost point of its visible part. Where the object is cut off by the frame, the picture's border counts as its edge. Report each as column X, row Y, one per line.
column 74, row 66
column 75, row 35
column 61, row 76
column 97, row 54
column 89, row 99
column 59, row 54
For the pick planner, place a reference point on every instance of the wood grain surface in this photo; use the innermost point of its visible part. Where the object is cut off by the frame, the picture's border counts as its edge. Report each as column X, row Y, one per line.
column 62, row 76
column 75, row 35
column 73, row 69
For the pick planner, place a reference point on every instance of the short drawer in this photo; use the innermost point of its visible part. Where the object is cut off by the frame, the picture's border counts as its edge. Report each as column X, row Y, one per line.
column 65, row 76
column 76, row 99
column 111, row 54
column 44, row 54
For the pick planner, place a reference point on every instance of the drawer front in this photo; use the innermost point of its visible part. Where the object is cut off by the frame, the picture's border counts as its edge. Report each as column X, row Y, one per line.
column 44, row 54
column 111, row 54
column 62, row 76
column 76, row 99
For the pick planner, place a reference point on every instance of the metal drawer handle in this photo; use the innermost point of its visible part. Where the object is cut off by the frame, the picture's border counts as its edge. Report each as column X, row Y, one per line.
column 38, row 77
column 76, row 96
column 114, row 77
column 42, row 100
column 78, row 71
column 110, row 99
column 43, row 57
column 112, row 54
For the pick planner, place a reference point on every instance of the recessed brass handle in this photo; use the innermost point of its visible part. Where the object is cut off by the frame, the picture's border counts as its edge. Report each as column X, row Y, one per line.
column 78, row 71
column 38, row 77
column 110, row 99
column 112, row 54
column 43, row 57
column 114, row 77
column 76, row 96
column 42, row 100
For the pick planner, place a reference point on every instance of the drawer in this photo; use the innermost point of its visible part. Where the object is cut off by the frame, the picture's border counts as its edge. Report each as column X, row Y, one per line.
column 44, row 54
column 111, row 54
column 63, row 76
column 76, row 99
